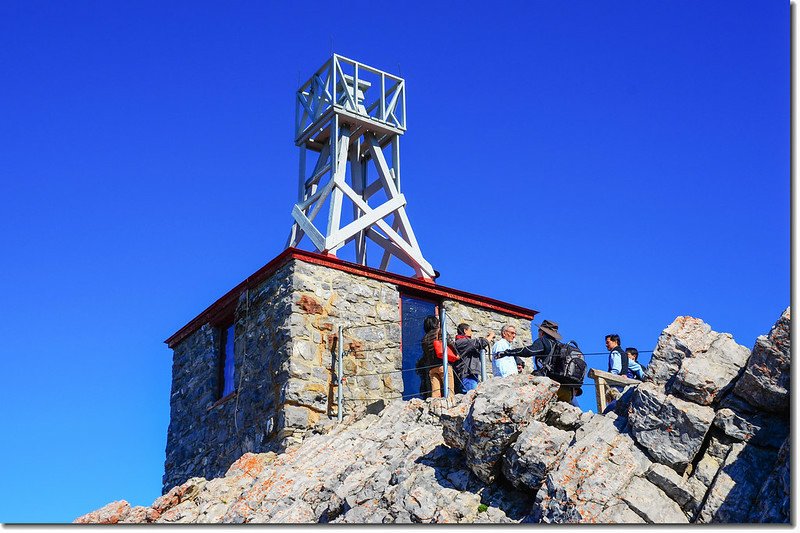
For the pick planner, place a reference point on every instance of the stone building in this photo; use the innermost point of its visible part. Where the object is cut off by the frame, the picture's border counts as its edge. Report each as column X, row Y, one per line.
column 257, row 369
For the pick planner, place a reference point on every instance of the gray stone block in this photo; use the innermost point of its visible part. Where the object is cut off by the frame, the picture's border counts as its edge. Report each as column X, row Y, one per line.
column 670, row 429
column 652, row 504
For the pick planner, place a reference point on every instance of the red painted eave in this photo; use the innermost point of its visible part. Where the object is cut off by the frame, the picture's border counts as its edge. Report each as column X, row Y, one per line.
column 406, row 284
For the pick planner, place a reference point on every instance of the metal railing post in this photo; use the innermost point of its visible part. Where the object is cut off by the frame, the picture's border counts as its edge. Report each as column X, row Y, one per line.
column 339, row 372
column 483, row 365
column 444, row 352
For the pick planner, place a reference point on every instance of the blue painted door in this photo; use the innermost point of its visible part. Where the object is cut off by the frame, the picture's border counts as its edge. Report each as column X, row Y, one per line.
column 413, row 313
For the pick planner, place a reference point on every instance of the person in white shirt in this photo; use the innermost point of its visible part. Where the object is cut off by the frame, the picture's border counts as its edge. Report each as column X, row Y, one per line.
column 505, row 366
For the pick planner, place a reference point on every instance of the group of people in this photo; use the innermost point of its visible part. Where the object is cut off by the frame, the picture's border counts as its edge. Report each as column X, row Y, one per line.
column 463, row 374
column 467, row 365
column 626, row 364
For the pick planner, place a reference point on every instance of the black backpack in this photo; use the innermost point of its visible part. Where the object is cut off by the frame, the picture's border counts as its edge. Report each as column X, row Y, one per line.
column 564, row 363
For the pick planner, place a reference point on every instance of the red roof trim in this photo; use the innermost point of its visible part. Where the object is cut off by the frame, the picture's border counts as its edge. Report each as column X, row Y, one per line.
column 225, row 305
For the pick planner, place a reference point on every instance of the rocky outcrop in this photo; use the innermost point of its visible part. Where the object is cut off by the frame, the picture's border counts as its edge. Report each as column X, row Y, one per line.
column 670, row 429
column 495, row 419
column 508, row 452
column 765, row 383
column 695, row 363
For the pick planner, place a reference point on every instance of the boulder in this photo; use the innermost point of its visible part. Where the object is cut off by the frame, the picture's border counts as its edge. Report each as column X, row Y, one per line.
column 651, row 503
column 502, row 407
column 694, row 362
column 773, row 503
column 686, row 335
column 683, row 492
column 533, row 454
column 453, row 419
column 706, row 469
column 737, row 485
column 741, row 421
column 111, row 513
column 437, row 461
column 593, row 471
column 670, row 429
column 765, row 382
column 566, row 416
column 140, row 515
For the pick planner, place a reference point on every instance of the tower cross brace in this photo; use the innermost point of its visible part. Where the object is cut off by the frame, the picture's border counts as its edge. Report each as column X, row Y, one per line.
column 349, row 130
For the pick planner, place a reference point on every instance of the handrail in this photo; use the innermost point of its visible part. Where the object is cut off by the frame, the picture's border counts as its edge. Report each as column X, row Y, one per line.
column 605, row 379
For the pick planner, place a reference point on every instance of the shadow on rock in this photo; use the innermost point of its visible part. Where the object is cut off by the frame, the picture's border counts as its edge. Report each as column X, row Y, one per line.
column 451, row 473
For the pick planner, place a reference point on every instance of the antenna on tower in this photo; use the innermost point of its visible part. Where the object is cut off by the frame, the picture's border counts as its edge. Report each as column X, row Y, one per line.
column 346, row 115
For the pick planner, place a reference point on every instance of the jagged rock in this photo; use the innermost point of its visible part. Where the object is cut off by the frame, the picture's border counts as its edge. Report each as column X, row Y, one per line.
column 590, row 476
column 566, row 416
column 391, row 467
column 706, row 470
column 186, row 492
column 670, row 429
column 619, row 514
column 651, row 503
column 501, row 408
column 737, row 484
column 111, row 513
column 533, row 454
column 773, row 503
column 139, row 515
column 765, row 383
column 734, row 425
column 741, row 421
column 719, row 444
column 183, row 513
column 677, row 488
column 604, row 427
column 703, row 379
column 686, row 335
column 453, row 419
column 694, row 362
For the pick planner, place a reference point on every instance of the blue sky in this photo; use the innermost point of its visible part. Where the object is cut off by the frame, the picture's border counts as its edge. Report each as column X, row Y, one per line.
column 610, row 164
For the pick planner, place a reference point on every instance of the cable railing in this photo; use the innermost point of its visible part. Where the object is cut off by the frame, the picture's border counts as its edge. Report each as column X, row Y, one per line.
column 601, row 383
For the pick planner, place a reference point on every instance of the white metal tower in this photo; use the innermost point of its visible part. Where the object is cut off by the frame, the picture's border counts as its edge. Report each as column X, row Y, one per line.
column 348, row 113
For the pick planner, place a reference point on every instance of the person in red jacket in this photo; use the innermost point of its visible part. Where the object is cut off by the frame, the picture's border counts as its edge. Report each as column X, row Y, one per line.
column 469, row 349
column 433, row 332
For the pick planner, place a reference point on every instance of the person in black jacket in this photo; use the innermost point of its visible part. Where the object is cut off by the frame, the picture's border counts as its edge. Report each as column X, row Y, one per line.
column 468, row 369
column 548, row 333
column 539, row 350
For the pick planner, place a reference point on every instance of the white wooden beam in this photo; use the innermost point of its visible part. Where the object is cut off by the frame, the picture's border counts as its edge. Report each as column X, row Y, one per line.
column 384, row 174
column 345, row 86
column 386, row 254
column 335, row 209
column 370, row 217
column 320, row 195
column 391, row 248
column 308, row 228
column 358, row 173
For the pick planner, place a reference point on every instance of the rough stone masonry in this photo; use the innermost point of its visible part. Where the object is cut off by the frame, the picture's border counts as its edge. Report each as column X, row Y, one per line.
column 286, row 329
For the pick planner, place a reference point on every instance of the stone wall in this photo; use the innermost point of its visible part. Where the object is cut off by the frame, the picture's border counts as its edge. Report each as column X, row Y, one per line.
column 205, row 436
column 368, row 310
column 485, row 320
column 285, row 347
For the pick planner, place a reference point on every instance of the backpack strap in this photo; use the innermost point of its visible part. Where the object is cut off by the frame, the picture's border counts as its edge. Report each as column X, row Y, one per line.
column 547, row 360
